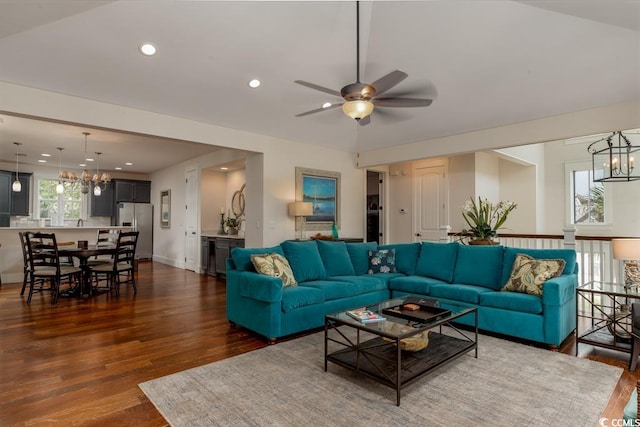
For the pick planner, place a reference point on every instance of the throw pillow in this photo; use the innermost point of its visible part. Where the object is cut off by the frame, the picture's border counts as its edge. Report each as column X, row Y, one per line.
column 305, row 260
column 274, row 265
column 382, row 261
column 529, row 274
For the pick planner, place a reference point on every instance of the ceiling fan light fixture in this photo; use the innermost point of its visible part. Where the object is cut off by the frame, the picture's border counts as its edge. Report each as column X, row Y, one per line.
column 358, row 109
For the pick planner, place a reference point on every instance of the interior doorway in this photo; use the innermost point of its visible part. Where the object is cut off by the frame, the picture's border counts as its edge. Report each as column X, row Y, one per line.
column 374, row 207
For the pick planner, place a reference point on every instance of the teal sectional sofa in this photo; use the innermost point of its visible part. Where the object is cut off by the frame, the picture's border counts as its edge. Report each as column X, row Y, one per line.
column 335, row 276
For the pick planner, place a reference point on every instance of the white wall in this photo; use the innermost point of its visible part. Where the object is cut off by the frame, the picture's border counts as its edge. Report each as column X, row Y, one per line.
column 462, row 178
column 487, row 183
column 518, row 184
column 212, row 198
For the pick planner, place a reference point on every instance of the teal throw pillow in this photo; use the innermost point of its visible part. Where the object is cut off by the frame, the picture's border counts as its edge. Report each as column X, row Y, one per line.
column 437, row 260
column 335, row 258
column 382, row 261
column 304, row 259
column 479, row 266
column 359, row 254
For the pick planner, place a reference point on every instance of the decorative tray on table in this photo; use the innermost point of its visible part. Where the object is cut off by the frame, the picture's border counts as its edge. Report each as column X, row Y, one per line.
column 418, row 310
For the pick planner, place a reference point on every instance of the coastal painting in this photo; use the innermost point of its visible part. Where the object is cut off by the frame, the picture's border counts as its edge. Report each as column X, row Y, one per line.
column 322, row 190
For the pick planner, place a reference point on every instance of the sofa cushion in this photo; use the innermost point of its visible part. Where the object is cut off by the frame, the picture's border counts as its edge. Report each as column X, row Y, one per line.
column 242, row 256
column 413, row 284
column 305, row 260
column 406, row 256
column 382, row 261
column 437, row 260
column 512, row 301
column 479, row 265
column 299, row 296
column 529, row 274
column 347, row 286
column 463, row 293
column 335, row 258
column 274, row 265
column 359, row 254
column 568, row 255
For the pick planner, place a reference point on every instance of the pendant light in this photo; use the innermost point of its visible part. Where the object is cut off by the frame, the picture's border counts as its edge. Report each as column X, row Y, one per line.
column 100, row 181
column 60, row 186
column 17, row 185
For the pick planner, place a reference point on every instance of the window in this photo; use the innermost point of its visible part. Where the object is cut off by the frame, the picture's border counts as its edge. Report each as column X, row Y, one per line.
column 58, row 207
column 587, row 198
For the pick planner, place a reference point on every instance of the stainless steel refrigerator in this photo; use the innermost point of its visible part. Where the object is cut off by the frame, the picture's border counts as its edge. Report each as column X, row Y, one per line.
column 139, row 216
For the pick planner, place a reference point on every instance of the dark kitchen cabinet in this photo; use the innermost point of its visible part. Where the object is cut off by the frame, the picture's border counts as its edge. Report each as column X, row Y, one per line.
column 104, row 204
column 223, row 250
column 12, row 203
column 132, row 191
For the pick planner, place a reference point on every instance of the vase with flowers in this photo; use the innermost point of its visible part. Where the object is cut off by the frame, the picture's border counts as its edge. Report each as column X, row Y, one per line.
column 233, row 224
column 485, row 219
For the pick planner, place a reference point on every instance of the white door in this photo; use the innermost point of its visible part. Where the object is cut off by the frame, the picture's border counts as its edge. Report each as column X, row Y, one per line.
column 429, row 203
column 191, row 221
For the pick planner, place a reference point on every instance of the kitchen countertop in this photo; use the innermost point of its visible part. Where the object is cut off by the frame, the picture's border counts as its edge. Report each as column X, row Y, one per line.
column 216, row 234
column 87, row 227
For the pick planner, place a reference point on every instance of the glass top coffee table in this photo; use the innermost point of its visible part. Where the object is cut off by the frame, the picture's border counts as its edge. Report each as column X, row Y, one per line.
column 389, row 351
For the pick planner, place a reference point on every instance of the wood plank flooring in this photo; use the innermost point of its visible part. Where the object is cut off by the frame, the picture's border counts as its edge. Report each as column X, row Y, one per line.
column 79, row 363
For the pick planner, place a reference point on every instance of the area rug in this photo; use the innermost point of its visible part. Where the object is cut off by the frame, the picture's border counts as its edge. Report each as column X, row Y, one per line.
column 285, row 385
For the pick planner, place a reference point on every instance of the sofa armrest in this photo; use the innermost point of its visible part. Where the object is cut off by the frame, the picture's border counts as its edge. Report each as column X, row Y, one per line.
column 559, row 290
column 256, row 286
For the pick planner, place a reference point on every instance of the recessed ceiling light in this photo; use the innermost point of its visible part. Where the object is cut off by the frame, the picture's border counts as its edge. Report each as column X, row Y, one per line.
column 82, row 164
column 42, row 161
column 254, row 83
column 45, row 155
column 147, row 49
column 224, row 168
column 89, row 159
column 118, row 168
column 326, row 105
column 129, row 164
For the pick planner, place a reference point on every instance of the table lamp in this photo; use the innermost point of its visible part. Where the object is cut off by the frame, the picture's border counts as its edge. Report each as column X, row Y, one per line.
column 300, row 210
column 628, row 251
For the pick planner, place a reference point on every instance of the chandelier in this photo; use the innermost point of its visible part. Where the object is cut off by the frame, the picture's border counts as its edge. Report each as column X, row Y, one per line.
column 64, row 176
column 613, row 158
column 100, row 181
column 70, row 179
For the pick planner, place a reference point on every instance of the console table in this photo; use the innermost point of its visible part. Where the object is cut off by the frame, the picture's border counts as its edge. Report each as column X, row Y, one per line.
column 606, row 318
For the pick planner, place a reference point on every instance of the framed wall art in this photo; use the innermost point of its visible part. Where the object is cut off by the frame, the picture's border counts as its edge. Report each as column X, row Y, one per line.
column 322, row 190
column 165, row 209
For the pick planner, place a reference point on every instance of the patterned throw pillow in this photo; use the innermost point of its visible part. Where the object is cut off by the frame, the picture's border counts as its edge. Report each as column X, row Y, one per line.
column 382, row 261
column 529, row 274
column 274, row 265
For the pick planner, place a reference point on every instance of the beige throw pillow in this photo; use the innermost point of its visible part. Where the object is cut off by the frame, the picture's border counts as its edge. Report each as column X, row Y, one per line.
column 274, row 265
column 529, row 274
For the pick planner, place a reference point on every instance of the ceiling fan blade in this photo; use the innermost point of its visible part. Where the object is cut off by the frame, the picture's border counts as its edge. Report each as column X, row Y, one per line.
column 364, row 121
column 320, row 88
column 385, row 83
column 401, row 102
column 317, row 110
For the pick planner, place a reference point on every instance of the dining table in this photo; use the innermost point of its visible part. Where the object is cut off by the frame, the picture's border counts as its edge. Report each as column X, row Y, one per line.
column 83, row 254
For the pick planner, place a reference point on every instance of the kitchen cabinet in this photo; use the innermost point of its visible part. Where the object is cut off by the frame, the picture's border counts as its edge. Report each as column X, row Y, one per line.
column 104, row 204
column 132, row 191
column 223, row 247
column 12, row 203
column 204, row 254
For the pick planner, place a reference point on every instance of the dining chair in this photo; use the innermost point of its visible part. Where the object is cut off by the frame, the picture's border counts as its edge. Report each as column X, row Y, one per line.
column 105, row 237
column 45, row 266
column 123, row 266
column 26, row 269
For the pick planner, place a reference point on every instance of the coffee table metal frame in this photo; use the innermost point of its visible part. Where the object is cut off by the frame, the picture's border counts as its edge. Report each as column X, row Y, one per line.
column 376, row 353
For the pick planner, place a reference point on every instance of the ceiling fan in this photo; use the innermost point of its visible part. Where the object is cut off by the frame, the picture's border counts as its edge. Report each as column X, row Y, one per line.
column 361, row 98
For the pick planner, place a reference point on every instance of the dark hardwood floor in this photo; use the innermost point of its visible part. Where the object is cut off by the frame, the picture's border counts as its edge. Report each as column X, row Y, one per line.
column 79, row 363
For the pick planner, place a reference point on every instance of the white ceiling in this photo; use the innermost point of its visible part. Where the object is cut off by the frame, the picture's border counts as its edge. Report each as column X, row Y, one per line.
column 486, row 63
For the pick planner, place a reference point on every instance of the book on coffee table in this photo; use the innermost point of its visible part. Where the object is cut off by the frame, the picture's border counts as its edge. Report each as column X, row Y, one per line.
column 366, row 316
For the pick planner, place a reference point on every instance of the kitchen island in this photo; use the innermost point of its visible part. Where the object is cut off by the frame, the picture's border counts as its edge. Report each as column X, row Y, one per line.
column 11, row 263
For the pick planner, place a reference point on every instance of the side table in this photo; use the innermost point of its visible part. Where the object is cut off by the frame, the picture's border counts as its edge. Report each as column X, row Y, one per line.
column 605, row 320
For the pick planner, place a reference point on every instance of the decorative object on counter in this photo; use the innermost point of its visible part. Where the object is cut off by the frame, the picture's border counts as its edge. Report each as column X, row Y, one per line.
column 614, row 162
column 17, row 185
column 322, row 190
column 238, row 202
column 300, row 211
column 628, row 251
column 485, row 219
column 233, row 225
column 319, row 236
column 222, row 223
column 334, row 230
column 165, row 209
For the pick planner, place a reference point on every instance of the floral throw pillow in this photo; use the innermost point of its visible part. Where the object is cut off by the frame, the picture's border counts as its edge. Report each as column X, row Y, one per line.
column 382, row 261
column 529, row 274
column 274, row 265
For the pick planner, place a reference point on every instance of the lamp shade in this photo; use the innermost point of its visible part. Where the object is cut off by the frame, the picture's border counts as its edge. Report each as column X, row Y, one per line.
column 358, row 109
column 626, row 249
column 300, row 209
